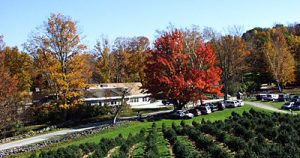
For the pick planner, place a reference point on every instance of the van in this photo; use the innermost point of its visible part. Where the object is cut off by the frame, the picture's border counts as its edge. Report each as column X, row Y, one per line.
column 260, row 96
column 271, row 97
column 231, row 103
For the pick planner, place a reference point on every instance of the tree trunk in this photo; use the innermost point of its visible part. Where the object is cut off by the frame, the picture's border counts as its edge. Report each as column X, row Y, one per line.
column 225, row 89
column 115, row 118
column 120, row 107
column 279, row 87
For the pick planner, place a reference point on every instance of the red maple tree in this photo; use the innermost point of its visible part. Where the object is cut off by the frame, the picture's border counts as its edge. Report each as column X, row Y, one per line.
column 179, row 75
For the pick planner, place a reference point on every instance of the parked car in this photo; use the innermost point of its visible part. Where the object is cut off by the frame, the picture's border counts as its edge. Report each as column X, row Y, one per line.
column 213, row 107
column 260, row 96
column 231, row 103
column 195, row 112
column 270, row 97
column 295, row 98
column 205, row 109
column 283, row 97
column 220, row 105
column 167, row 102
column 287, row 105
column 240, row 102
column 296, row 106
column 183, row 114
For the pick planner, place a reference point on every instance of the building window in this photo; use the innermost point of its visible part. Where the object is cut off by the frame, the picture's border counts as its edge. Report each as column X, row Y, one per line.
column 145, row 99
column 113, row 102
column 134, row 100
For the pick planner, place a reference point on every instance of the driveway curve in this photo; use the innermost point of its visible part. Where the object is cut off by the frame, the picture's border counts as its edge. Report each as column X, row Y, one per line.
column 39, row 138
column 267, row 107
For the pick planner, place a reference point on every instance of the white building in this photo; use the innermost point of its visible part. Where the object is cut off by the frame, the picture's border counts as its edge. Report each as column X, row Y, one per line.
column 111, row 94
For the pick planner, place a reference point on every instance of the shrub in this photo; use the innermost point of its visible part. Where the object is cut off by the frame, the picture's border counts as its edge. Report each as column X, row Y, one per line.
column 182, row 123
column 195, row 123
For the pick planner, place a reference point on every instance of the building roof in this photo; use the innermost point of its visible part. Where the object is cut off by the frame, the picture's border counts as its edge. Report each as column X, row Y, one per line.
column 112, row 90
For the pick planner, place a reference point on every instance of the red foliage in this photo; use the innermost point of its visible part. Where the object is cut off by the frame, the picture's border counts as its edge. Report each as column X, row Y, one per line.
column 175, row 74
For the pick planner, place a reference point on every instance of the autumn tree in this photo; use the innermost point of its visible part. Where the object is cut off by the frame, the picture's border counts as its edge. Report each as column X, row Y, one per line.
column 294, row 45
column 104, row 63
column 138, row 46
column 281, row 63
column 231, row 54
column 255, row 40
column 8, row 89
column 58, row 55
column 125, row 62
column 20, row 64
column 182, row 76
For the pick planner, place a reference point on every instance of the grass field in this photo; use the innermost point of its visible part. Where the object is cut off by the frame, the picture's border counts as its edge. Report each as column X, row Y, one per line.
column 135, row 127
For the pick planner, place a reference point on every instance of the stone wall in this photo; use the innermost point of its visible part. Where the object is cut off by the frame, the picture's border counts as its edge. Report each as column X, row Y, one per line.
column 66, row 137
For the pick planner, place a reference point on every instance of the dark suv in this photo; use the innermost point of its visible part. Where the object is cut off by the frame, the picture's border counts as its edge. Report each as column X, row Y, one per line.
column 283, row 97
column 212, row 106
column 220, row 105
column 296, row 106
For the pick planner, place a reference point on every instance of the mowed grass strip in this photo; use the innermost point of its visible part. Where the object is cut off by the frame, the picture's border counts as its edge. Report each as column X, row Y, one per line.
column 134, row 127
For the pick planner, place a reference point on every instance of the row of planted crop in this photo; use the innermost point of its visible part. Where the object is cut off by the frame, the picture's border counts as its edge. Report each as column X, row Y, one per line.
column 207, row 147
column 248, row 142
column 94, row 150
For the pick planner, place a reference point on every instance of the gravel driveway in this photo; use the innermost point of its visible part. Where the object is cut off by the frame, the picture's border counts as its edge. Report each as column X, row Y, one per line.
column 267, row 107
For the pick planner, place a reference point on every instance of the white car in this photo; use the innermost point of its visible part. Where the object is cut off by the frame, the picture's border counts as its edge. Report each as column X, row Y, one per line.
column 271, row 97
column 183, row 114
column 240, row 102
column 231, row 103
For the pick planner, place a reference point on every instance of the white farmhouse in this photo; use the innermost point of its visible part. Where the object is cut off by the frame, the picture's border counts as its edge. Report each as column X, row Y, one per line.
column 111, row 94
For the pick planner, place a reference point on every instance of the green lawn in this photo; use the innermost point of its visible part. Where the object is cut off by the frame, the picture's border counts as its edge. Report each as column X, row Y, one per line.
column 135, row 127
column 275, row 104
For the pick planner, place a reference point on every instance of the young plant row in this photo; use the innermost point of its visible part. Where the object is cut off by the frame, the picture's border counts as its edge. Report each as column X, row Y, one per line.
column 151, row 149
column 207, row 147
column 180, row 150
column 131, row 140
column 250, row 135
column 94, row 150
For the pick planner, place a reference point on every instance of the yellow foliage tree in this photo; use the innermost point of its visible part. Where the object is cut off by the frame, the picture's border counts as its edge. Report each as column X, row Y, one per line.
column 61, row 60
column 281, row 63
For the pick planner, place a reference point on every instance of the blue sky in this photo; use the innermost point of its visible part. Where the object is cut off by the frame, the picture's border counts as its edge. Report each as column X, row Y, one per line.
column 128, row 18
